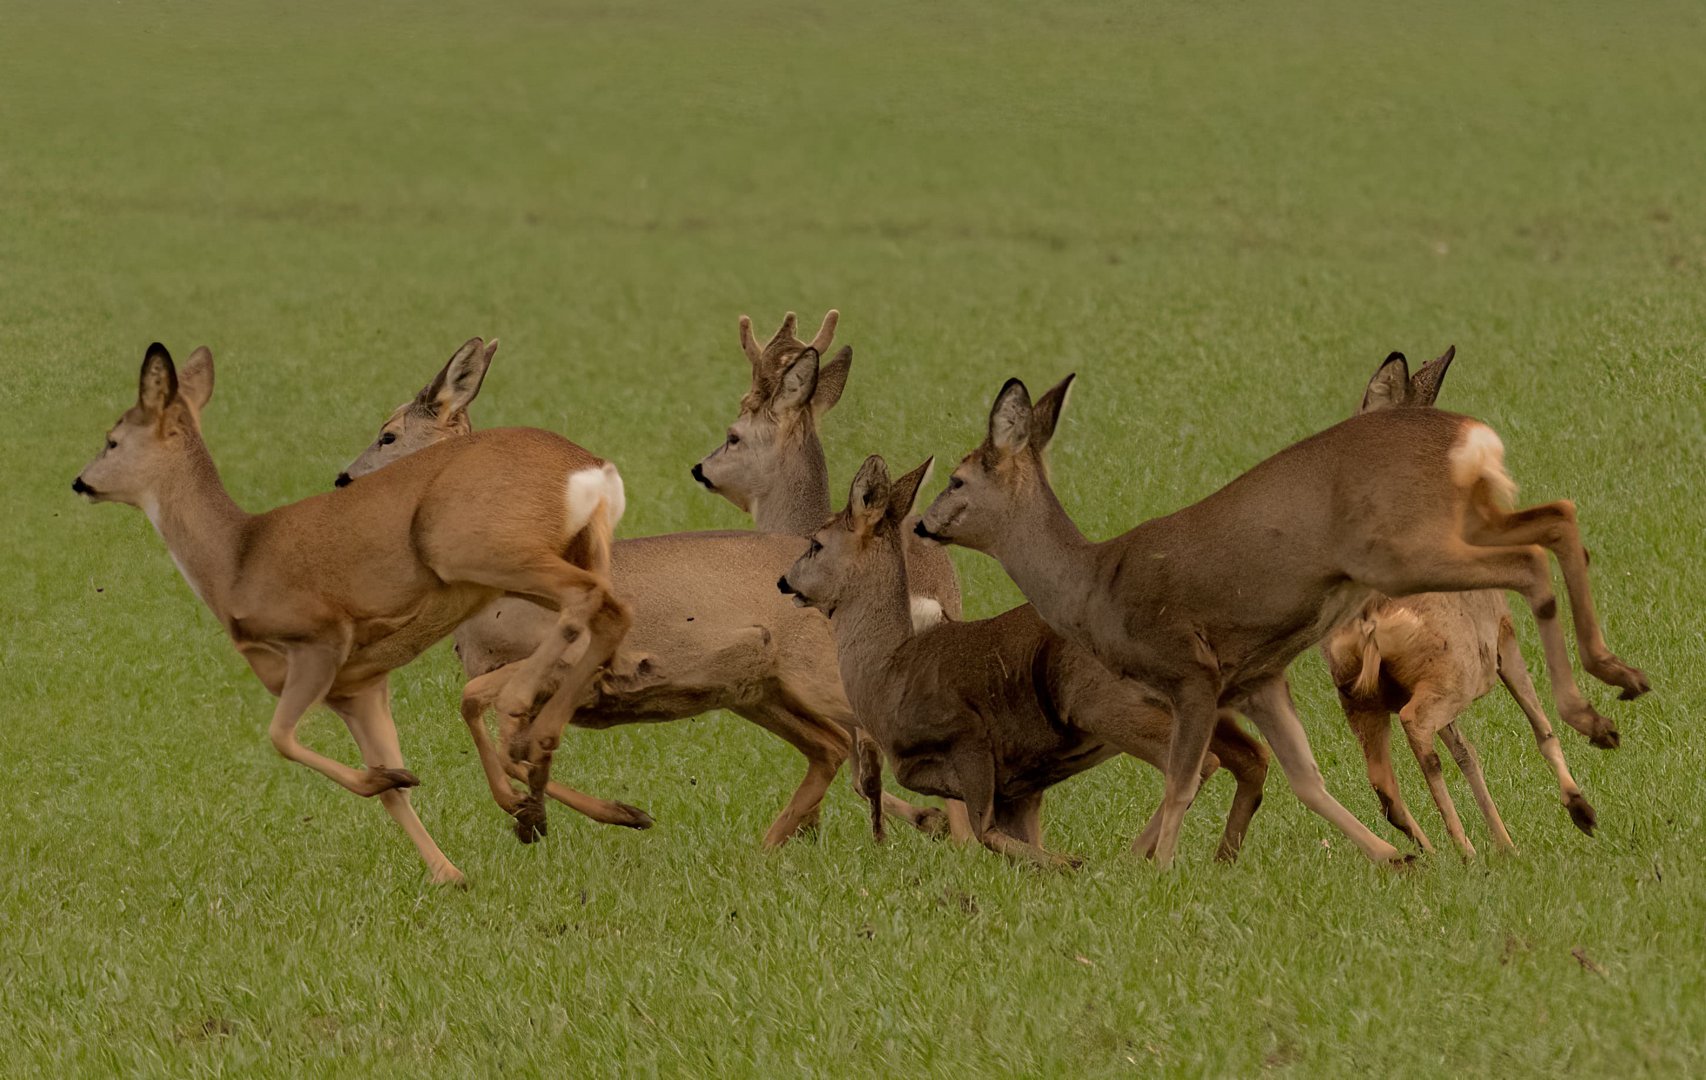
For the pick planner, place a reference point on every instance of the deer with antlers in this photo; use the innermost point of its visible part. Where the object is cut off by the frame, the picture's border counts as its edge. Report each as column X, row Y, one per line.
column 324, row 598
column 1427, row 658
column 1207, row 606
column 709, row 631
column 991, row 712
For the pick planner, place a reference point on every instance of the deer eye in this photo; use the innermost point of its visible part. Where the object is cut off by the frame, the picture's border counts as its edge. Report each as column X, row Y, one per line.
column 734, row 439
column 111, row 445
column 388, row 438
column 955, row 484
column 815, row 548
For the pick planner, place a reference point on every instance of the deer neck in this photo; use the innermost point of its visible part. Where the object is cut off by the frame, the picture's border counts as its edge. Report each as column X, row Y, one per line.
column 199, row 523
column 870, row 627
column 1049, row 559
column 797, row 502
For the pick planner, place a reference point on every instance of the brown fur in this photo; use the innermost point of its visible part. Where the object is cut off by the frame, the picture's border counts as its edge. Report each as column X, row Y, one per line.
column 325, row 597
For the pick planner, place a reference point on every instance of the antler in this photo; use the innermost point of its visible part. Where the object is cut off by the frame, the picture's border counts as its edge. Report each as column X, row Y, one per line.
column 826, row 332
column 748, row 343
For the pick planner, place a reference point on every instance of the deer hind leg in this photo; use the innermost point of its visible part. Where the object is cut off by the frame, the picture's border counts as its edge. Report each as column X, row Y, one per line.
column 1270, row 708
column 1021, row 818
column 824, row 746
column 1422, row 717
column 1373, row 730
column 975, row 770
column 1553, row 526
column 477, row 697
column 1247, row 760
column 1469, row 764
column 605, row 629
column 309, row 674
column 1514, row 674
column 367, row 714
column 1194, row 715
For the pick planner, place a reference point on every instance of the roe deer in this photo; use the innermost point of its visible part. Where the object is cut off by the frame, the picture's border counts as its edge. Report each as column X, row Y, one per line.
column 1207, row 606
column 709, row 631
column 326, row 597
column 1427, row 658
column 993, row 711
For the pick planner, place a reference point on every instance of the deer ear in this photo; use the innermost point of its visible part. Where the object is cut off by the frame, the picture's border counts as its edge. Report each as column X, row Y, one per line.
column 1010, row 418
column 458, row 382
column 1046, row 413
column 1390, row 385
column 905, row 491
column 832, row 380
column 158, row 384
column 799, row 382
column 195, row 382
column 869, row 496
column 1424, row 385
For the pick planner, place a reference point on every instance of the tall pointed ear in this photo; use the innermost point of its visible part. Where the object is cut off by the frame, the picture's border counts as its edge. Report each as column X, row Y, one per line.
column 905, row 491
column 799, row 382
column 195, row 382
column 832, row 380
column 1010, row 418
column 158, row 384
column 868, row 499
column 1424, row 385
column 1045, row 414
column 459, row 381
column 1390, row 385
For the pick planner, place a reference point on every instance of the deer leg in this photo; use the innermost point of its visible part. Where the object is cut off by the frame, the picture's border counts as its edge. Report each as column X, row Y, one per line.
column 825, row 748
column 1270, row 708
column 1373, row 729
column 605, row 630
column 478, row 696
column 1247, row 761
column 1194, row 714
column 1469, row 764
column 1421, row 718
column 367, row 714
column 976, row 772
column 1553, row 526
column 1021, row 818
column 1514, row 674
column 959, row 823
column 309, row 673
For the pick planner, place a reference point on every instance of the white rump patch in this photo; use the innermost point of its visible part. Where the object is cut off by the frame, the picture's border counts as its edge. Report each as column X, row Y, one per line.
column 925, row 613
column 588, row 489
column 1480, row 456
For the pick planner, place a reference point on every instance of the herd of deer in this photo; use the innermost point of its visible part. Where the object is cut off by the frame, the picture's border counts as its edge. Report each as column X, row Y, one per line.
column 1387, row 538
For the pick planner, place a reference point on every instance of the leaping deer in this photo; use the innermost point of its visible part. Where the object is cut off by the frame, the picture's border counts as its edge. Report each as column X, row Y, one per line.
column 1207, row 606
column 326, row 597
column 994, row 711
column 1427, row 658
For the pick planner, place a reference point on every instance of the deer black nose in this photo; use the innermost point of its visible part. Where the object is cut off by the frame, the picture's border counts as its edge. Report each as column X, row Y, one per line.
column 783, row 587
column 918, row 527
column 699, row 475
column 81, row 488
column 343, row 480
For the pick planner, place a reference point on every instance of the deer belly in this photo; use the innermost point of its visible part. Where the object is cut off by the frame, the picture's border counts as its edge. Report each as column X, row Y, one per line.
column 388, row 642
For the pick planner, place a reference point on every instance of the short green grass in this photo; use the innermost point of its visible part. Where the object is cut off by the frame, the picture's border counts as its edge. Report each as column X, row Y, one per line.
column 1222, row 216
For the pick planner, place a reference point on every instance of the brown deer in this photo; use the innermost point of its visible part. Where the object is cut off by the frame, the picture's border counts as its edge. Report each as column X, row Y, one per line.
column 1427, row 658
column 991, row 712
column 709, row 630
column 326, row 597
column 1207, row 606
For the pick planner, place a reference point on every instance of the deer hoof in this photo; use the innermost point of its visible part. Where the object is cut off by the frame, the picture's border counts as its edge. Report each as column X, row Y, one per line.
column 632, row 817
column 1634, row 683
column 530, row 820
column 1608, row 739
column 1402, row 863
column 450, row 878
column 383, row 780
column 931, row 822
column 1581, row 813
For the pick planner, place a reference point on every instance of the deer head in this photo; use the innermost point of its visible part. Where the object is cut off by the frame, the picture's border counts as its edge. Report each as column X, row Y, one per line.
column 438, row 412
column 146, row 448
column 776, row 430
column 991, row 483
column 1394, row 387
column 866, row 531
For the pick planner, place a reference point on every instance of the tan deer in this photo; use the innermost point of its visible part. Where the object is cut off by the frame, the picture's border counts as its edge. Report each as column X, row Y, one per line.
column 709, row 632
column 1427, row 658
column 991, row 712
column 1207, row 606
column 326, row 597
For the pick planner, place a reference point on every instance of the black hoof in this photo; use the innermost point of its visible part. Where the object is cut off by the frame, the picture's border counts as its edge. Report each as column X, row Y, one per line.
column 1581, row 813
column 637, row 818
column 1635, row 685
column 530, row 820
column 1608, row 739
column 932, row 822
column 393, row 779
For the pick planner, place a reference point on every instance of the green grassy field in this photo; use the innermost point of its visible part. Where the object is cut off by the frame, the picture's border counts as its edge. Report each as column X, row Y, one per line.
column 1221, row 216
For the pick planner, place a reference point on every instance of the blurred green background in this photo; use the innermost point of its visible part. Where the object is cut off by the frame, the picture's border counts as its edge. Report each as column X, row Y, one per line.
column 1222, row 216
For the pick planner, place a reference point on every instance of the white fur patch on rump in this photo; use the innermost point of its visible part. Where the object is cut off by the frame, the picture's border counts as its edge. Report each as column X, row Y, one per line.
column 1480, row 456
column 590, row 488
column 925, row 613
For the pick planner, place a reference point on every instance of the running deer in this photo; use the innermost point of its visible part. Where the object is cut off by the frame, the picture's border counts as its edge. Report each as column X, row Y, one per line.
column 1207, row 606
column 991, row 712
column 326, row 597
column 709, row 630
column 1427, row 658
